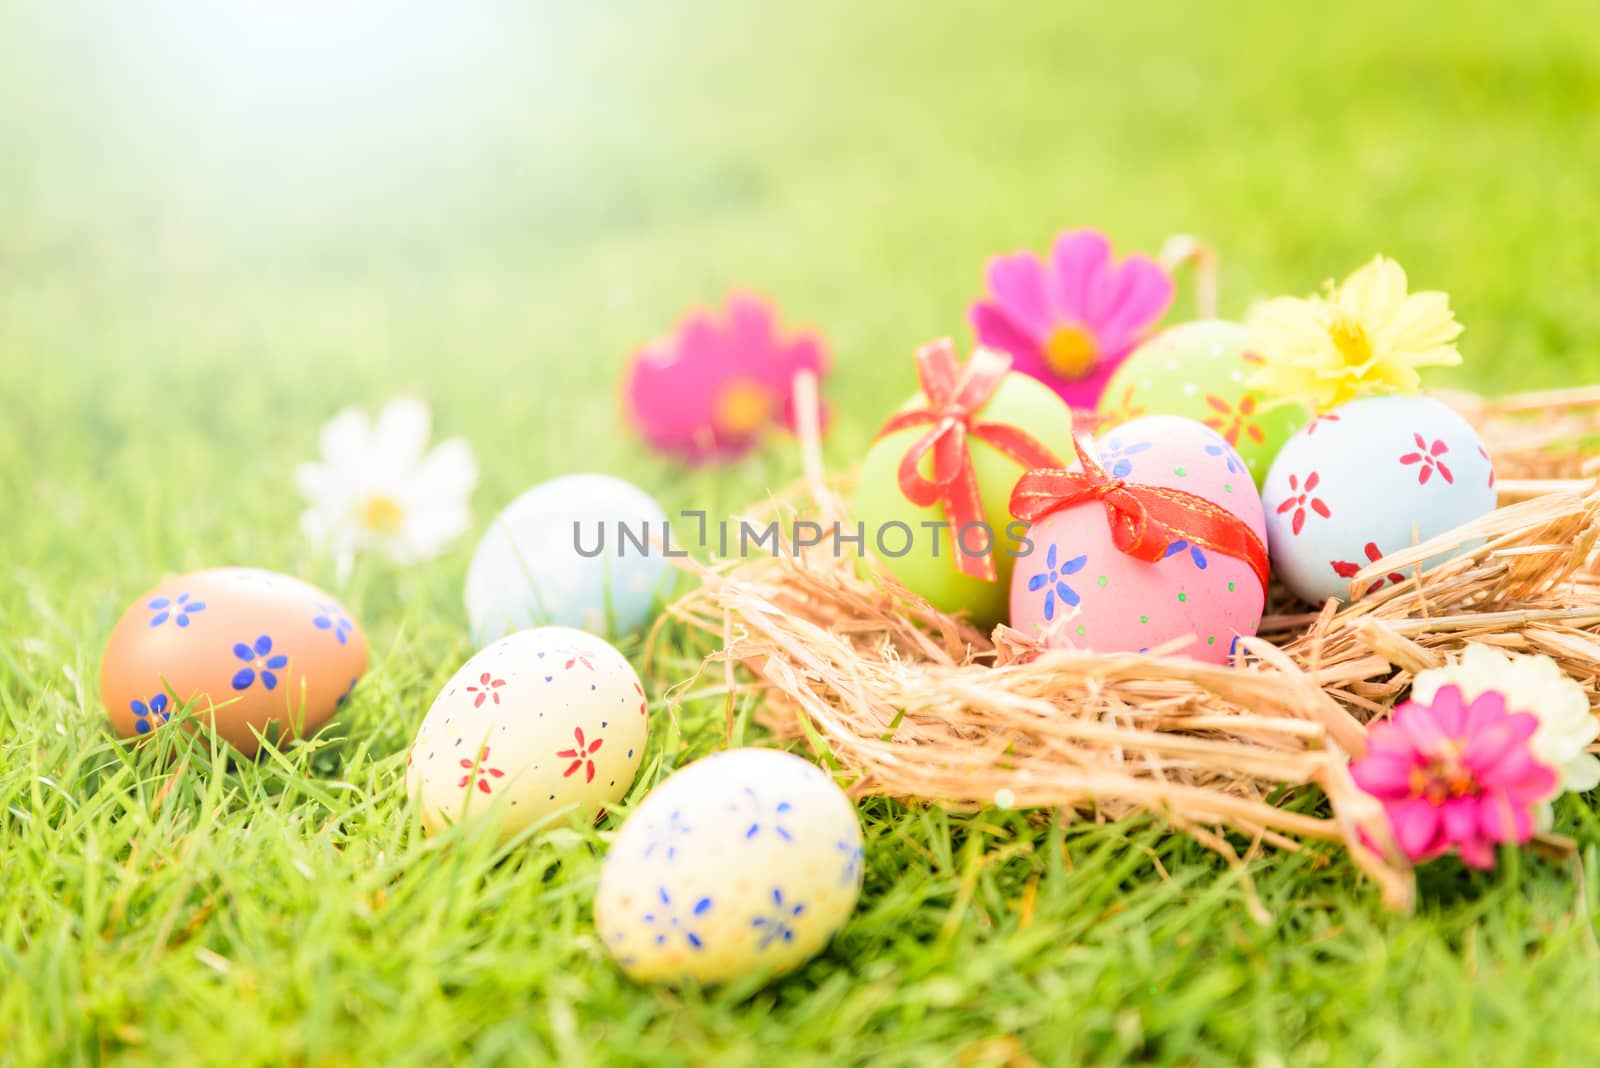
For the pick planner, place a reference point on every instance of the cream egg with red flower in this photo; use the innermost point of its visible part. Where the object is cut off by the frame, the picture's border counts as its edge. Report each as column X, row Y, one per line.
column 541, row 723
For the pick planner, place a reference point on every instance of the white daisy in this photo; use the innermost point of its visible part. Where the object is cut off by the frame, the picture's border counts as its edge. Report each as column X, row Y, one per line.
column 375, row 488
column 1534, row 684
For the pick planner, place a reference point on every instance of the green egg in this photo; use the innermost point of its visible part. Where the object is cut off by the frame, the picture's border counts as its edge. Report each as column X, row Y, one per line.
column 927, row 565
column 1198, row 370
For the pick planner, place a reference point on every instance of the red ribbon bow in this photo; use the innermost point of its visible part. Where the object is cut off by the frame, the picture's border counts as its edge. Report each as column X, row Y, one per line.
column 1145, row 520
column 955, row 397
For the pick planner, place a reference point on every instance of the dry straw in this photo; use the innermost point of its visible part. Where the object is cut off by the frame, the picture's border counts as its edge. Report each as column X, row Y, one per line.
column 917, row 705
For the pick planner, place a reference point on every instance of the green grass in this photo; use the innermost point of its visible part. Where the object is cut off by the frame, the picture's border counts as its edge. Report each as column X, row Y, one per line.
column 209, row 243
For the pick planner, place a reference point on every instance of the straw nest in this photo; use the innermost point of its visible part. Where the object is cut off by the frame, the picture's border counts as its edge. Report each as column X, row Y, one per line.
column 917, row 705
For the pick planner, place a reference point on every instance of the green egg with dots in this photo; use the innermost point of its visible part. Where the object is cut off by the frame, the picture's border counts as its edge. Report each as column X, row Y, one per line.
column 1199, row 370
column 909, row 541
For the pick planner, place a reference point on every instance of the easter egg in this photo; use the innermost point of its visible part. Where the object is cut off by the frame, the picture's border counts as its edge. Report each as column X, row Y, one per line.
column 541, row 721
column 256, row 653
column 1075, row 589
column 581, row 551
column 1198, row 370
column 1371, row 477
column 745, row 862
column 915, row 544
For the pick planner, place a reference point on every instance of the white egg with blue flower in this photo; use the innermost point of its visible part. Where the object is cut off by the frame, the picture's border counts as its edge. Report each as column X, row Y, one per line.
column 584, row 551
column 747, row 862
column 1368, row 478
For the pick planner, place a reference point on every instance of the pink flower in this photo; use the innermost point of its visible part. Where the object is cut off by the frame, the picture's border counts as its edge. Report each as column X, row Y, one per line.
column 1070, row 322
column 717, row 384
column 1454, row 774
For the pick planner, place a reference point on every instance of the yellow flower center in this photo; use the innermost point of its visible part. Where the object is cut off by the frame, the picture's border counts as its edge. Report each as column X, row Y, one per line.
column 382, row 514
column 1350, row 337
column 1071, row 352
column 743, row 406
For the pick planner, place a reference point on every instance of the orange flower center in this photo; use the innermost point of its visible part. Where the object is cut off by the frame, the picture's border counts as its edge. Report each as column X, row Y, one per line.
column 1071, row 352
column 382, row 514
column 743, row 406
column 1350, row 338
column 1441, row 779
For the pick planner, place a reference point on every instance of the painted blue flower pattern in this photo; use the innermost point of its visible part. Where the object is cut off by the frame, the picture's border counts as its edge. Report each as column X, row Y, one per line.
column 329, row 617
column 348, row 690
column 260, row 663
column 760, row 822
column 666, row 921
column 778, row 925
column 853, row 855
column 1195, row 552
column 1117, row 458
column 148, row 715
column 1221, row 449
column 666, row 838
column 178, row 611
column 1053, row 583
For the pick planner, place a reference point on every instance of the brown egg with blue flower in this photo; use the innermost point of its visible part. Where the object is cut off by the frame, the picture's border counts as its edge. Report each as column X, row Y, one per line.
column 256, row 653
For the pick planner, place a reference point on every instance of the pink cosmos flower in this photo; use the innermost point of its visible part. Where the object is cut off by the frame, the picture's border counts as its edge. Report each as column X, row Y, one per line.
column 710, row 390
column 1453, row 774
column 1070, row 321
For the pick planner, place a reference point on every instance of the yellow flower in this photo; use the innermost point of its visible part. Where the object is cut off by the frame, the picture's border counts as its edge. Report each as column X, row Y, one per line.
column 1364, row 337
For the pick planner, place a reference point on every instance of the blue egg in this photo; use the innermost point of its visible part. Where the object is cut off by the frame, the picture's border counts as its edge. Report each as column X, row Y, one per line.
column 584, row 551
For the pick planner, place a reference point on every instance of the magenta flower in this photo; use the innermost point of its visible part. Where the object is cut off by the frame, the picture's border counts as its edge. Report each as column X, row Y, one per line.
column 1453, row 774
column 1069, row 322
column 717, row 384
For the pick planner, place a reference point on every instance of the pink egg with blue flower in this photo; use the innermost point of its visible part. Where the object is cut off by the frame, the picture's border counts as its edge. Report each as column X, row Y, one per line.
column 1160, row 546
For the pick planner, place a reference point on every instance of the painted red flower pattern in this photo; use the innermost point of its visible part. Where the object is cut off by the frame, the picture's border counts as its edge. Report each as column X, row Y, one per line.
column 488, row 686
column 1330, row 417
column 1347, row 569
column 1304, row 498
column 1231, row 423
column 480, row 770
column 582, row 756
column 1428, row 458
column 579, row 658
column 1483, row 452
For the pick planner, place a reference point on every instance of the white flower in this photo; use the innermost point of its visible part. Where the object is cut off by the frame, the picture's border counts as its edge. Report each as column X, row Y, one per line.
column 375, row 489
column 1533, row 684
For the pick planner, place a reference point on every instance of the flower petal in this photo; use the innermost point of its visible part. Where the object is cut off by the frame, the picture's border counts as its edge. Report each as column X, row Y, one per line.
column 1416, row 827
column 401, row 433
column 1476, row 852
column 1019, row 287
column 1080, row 259
column 1384, row 775
column 1131, row 302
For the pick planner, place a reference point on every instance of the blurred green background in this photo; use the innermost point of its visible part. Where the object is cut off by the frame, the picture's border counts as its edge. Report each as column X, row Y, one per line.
column 222, row 222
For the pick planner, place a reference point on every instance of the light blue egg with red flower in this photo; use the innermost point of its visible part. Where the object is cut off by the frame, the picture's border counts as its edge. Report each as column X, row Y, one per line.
column 585, row 551
column 1367, row 479
column 1075, row 589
